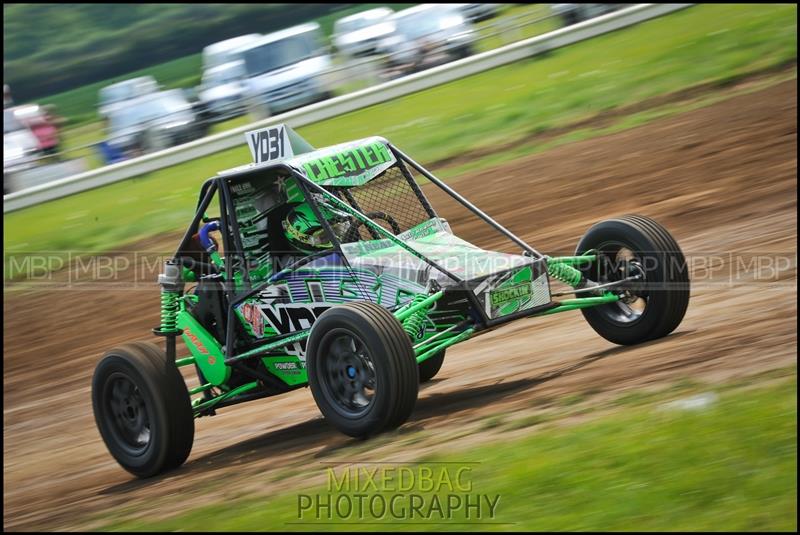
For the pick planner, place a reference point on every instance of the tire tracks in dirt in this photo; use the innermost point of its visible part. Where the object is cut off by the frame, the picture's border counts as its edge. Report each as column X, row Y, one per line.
column 722, row 179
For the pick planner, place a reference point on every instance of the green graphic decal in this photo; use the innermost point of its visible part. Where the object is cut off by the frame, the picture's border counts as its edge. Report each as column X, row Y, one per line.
column 521, row 278
column 517, row 292
column 204, row 348
column 288, row 368
column 503, row 295
column 351, row 165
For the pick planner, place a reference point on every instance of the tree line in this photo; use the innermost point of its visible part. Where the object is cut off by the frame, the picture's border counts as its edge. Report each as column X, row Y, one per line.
column 50, row 48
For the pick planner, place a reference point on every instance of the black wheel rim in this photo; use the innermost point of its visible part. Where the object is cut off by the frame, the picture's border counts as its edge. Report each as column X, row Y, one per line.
column 618, row 261
column 347, row 373
column 126, row 415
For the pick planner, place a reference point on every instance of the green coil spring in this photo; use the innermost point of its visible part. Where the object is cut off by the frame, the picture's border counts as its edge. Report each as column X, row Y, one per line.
column 413, row 324
column 565, row 273
column 169, row 311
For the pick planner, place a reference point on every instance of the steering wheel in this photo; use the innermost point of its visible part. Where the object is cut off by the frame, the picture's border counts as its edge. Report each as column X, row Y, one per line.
column 352, row 233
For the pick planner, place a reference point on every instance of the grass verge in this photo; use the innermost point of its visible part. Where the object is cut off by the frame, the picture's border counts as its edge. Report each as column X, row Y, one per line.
column 649, row 465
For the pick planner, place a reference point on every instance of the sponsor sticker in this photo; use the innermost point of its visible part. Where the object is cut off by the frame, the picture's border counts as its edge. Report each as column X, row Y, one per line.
column 351, row 165
column 510, row 293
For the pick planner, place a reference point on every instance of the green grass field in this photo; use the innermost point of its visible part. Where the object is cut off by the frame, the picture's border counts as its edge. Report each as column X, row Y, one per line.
column 79, row 106
column 705, row 43
column 637, row 466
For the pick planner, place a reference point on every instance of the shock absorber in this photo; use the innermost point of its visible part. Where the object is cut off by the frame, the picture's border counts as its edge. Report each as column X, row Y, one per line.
column 565, row 273
column 414, row 324
column 172, row 286
column 171, row 291
column 169, row 310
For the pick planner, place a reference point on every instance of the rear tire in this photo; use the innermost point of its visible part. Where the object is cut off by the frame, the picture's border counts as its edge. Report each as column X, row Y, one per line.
column 654, row 307
column 430, row 367
column 142, row 409
column 361, row 369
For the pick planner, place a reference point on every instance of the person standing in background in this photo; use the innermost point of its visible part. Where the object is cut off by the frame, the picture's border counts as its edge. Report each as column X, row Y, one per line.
column 7, row 100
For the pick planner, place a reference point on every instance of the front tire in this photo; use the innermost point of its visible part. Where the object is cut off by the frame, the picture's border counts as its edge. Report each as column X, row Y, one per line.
column 361, row 369
column 655, row 304
column 142, row 409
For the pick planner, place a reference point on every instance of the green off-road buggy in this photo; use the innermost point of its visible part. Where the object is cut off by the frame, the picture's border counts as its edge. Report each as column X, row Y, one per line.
column 329, row 268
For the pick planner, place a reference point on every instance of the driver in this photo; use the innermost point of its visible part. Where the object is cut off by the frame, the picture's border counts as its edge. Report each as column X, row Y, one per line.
column 305, row 232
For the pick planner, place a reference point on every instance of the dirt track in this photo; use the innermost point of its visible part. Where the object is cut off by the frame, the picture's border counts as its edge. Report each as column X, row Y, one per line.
column 723, row 179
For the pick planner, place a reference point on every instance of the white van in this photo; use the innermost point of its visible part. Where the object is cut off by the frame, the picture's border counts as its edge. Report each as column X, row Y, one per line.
column 285, row 69
column 120, row 92
column 359, row 34
column 223, row 52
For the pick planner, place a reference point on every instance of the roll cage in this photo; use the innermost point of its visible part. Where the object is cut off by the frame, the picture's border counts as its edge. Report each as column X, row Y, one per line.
column 238, row 284
column 451, row 311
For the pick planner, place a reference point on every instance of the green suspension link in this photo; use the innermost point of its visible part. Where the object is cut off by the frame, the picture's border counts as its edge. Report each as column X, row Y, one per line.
column 564, row 273
column 414, row 323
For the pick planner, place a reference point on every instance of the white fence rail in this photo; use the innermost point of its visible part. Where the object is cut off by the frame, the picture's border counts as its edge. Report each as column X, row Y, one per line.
column 339, row 105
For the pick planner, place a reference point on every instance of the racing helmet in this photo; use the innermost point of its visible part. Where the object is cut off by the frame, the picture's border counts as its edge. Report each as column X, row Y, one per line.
column 304, row 231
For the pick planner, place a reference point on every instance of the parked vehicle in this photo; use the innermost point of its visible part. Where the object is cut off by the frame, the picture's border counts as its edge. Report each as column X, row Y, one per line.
column 285, row 70
column 114, row 94
column 575, row 13
column 226, row 51
column 427, row 35
column 359, row 34
column 222, row 91
column 41, row 124
column 153, row 122
column 479, row 12
column 20, row 148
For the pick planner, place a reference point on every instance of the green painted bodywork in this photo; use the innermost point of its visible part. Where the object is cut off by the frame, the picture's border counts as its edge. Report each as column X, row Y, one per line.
column 288, row 368
column 205, row 349
column 351, row 165
column 274, row 345
column 414, row 315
